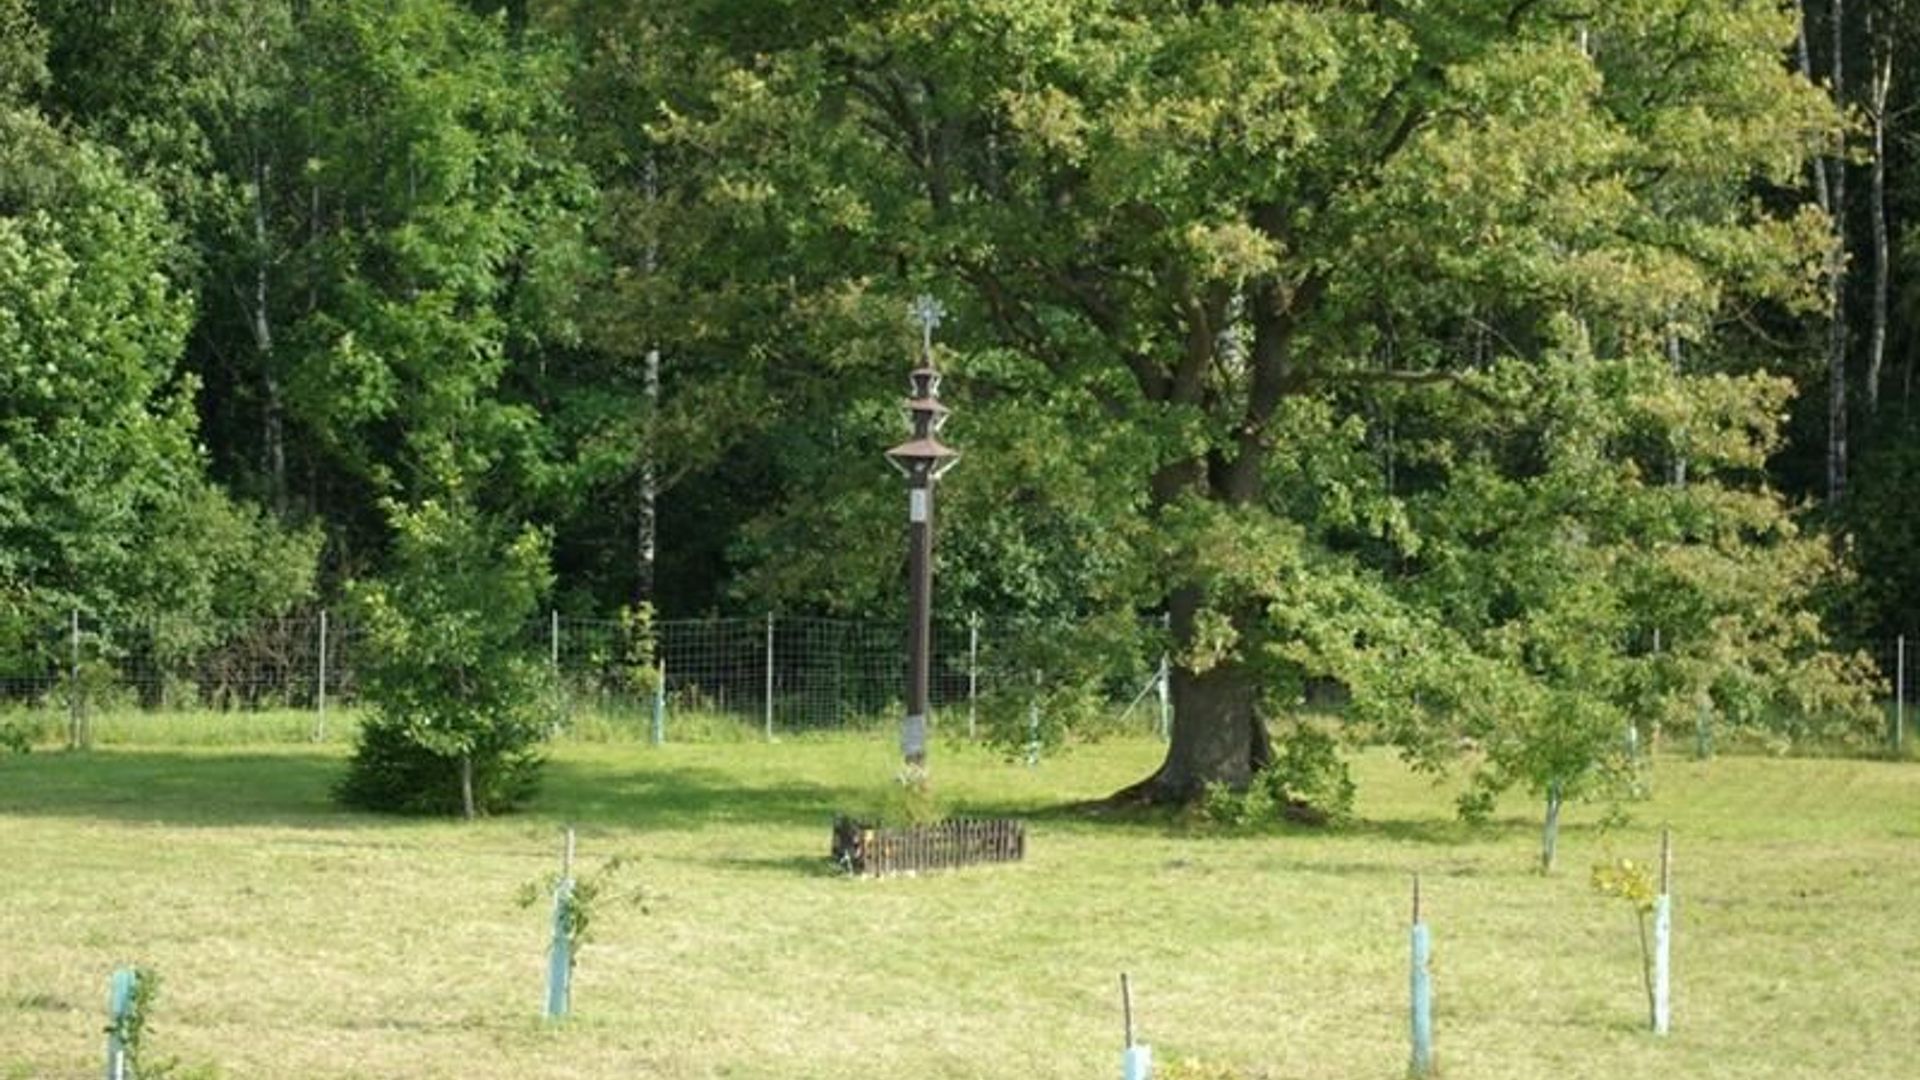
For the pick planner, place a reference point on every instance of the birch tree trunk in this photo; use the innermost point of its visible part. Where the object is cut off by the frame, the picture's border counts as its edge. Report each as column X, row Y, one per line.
column 1837, row 332
column 646, row 525
column 1880, row 84
column 273, row 446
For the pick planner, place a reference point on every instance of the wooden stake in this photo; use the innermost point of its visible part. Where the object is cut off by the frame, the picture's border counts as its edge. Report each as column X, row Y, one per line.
column 1666, row 859
column 1136, row 1061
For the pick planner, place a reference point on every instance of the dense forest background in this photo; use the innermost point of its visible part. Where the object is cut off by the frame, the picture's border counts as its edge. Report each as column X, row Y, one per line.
column 273, row 270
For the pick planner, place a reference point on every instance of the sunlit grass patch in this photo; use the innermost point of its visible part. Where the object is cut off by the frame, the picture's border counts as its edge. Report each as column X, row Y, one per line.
column 299, row 940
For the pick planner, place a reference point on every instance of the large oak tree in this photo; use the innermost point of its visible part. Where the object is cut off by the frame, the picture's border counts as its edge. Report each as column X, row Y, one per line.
column 1392, row 339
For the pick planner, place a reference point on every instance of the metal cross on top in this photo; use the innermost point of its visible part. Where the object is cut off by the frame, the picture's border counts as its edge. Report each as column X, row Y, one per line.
column 928, row 312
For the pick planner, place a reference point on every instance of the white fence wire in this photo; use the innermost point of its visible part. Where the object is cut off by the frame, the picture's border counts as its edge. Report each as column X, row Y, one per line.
column 1018, row 680
column 775, row 674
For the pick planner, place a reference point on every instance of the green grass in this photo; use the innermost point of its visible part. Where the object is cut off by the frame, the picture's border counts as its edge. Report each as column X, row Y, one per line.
column 297, row 940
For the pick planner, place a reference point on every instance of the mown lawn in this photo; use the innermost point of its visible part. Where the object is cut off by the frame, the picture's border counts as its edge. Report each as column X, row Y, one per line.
column 296, row 940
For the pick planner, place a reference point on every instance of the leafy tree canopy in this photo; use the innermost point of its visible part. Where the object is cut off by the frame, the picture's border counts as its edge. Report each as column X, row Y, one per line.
column 1387, row 344
column 104, row 507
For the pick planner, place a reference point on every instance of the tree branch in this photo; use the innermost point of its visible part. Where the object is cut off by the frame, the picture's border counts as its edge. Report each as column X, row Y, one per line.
column 1435, row 377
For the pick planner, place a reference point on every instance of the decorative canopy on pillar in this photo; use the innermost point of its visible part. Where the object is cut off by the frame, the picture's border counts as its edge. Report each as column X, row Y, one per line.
column 924, row 458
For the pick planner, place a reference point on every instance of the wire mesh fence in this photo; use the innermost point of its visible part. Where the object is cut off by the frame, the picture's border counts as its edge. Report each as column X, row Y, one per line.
column 1021, row 682
column 772, row 675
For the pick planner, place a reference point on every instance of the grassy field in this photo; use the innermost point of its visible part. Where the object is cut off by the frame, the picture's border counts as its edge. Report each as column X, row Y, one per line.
column 295, row 940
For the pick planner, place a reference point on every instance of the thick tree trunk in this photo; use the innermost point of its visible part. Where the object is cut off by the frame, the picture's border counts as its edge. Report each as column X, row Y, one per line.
column 1218, row 737
column 1218, row 734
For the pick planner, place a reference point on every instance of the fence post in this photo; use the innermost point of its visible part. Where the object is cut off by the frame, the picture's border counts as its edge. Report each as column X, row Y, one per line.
column 553, row 640
column 1166, row 698
column 320, row 692
column 1166, row 680
column 1663, row 937
column 1033, row 723
column 74, row 709
column 973, row 675
column 560, row 956
column 1703, row 729
column 1136, row 1063
column 1899, row 693
column 769, row 666
column 1421, row 1009
column 660, row 705
column 1655, row 732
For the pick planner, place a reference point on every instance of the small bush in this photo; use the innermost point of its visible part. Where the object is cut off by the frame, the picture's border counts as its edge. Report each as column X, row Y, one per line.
column 1307, row 780
column 457, row 707
column 392, row 772
column 16, row 737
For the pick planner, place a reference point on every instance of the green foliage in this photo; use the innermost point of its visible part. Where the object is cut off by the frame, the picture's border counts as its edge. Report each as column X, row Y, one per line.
column 1308, row 775
column 1627, row 881
column 1049, row 682
column 458, row 705
column 588, row 896
column 132, row 1028
column 393, row 772
column 1636, row 885
column 1425, row 350
column 1189, row 1068
column 639, row 662
column 104, row 503
column 1344, row 334
column 23, row 60
column 96, row 437
column 1307, row 783
column 909, row 800
column 1221, row 804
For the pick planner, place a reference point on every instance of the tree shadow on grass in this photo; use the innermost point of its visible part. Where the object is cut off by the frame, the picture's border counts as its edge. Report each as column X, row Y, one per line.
column 683, row 798
column 209, row 788
column 819, row 865
column 1446, row 831
column 1099, row 817
column 293, row 787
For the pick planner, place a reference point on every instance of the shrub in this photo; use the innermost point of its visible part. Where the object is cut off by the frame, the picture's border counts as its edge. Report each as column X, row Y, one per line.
column 1306, row 782
column 394, row 773
column 16, row 737
column 458, row 707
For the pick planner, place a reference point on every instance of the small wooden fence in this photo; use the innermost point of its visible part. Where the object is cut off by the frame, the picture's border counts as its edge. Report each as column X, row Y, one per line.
column 872, row 850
